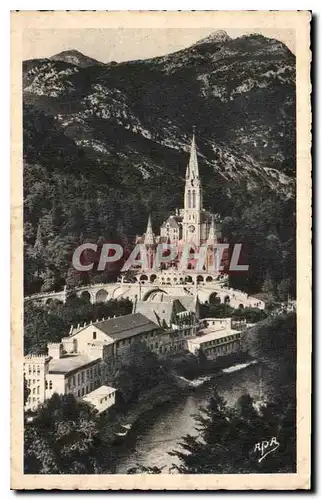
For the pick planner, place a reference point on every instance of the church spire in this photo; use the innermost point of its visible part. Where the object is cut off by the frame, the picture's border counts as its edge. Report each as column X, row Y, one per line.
column 149, row 237
column 212, row 232
column 193, row 190
column 192, row 168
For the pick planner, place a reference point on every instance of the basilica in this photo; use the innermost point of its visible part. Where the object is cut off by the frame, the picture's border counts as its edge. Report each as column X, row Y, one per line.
column 191, row 224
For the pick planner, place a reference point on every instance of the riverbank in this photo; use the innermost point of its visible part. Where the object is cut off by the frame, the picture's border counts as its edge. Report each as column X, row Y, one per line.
column 191, row 367
column 157, row 396
column 162, row 429
column 118, row 426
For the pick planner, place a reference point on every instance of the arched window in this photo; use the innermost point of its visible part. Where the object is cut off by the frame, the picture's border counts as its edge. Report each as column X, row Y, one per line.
column 94, row 335
column 193, row 199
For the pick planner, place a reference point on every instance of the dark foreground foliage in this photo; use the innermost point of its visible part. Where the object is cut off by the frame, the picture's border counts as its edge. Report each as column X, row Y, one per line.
column 227, row 439
column 64, row 438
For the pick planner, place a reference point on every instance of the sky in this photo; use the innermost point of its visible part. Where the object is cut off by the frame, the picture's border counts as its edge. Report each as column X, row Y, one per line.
column 128, row 44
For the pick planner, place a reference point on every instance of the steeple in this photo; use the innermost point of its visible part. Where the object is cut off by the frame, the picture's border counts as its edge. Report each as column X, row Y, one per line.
column 149, row 237
column 192, row 168
column 193, row 190
column 192, row 222
column 212, row 232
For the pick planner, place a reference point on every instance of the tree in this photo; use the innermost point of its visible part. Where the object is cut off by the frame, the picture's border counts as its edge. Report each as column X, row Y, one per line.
column 43, row 324
column 202, row 358
column 39, row 245
column 227, row 439
column 284, row 289
column 142, row 469
column 63, row 438
column 135, row 371
column 26, row 390
column 268, row 285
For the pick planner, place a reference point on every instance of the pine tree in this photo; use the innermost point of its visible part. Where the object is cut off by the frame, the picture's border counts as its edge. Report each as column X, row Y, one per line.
column 226, row 439
column 39, row 244
column 283, row 289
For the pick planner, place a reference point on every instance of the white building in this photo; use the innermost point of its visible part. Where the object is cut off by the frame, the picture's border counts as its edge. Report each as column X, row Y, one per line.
column 101, row 398
column 35, row 372
column 217, row 323
column 108, row 338
column 76, row 365
column 61, row 373
column 215, row 342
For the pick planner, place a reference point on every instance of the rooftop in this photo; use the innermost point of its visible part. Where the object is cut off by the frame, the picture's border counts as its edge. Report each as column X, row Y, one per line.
column 100, row 392
column 210, row 334
column 71, row 363
column 162, row 310
column 173, row 221
column 126, row 326
column 189, row 303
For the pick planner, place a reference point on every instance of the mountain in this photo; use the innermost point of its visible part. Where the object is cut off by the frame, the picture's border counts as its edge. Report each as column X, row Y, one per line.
column 119, row 134
column 239, row 94
column 75, row 57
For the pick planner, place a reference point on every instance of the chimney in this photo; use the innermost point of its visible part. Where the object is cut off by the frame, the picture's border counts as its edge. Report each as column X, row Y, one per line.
column 55, row 350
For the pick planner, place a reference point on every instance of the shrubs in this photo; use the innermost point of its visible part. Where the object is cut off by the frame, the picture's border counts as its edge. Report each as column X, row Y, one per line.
column 250, row 314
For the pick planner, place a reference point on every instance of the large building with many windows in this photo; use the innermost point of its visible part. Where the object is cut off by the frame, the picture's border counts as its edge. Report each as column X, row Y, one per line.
column 217, row 338
column 61, row 373
column 77, row 364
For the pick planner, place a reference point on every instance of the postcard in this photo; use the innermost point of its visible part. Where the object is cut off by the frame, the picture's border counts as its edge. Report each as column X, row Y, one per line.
column 161, row 250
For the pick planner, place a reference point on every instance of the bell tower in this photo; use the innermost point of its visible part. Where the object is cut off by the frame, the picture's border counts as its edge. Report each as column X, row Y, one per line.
column 191, row 223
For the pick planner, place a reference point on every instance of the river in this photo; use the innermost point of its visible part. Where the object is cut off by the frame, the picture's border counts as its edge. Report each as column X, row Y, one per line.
column 162, row 431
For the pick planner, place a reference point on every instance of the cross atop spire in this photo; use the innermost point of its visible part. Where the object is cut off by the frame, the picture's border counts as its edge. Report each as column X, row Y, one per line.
column 149, row 236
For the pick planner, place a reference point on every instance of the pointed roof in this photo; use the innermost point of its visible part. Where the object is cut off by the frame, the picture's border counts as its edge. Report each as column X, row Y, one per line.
column 161, row 311
column 149, row 236
column 172, row 220
column 212, row 231
column 192, row 168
